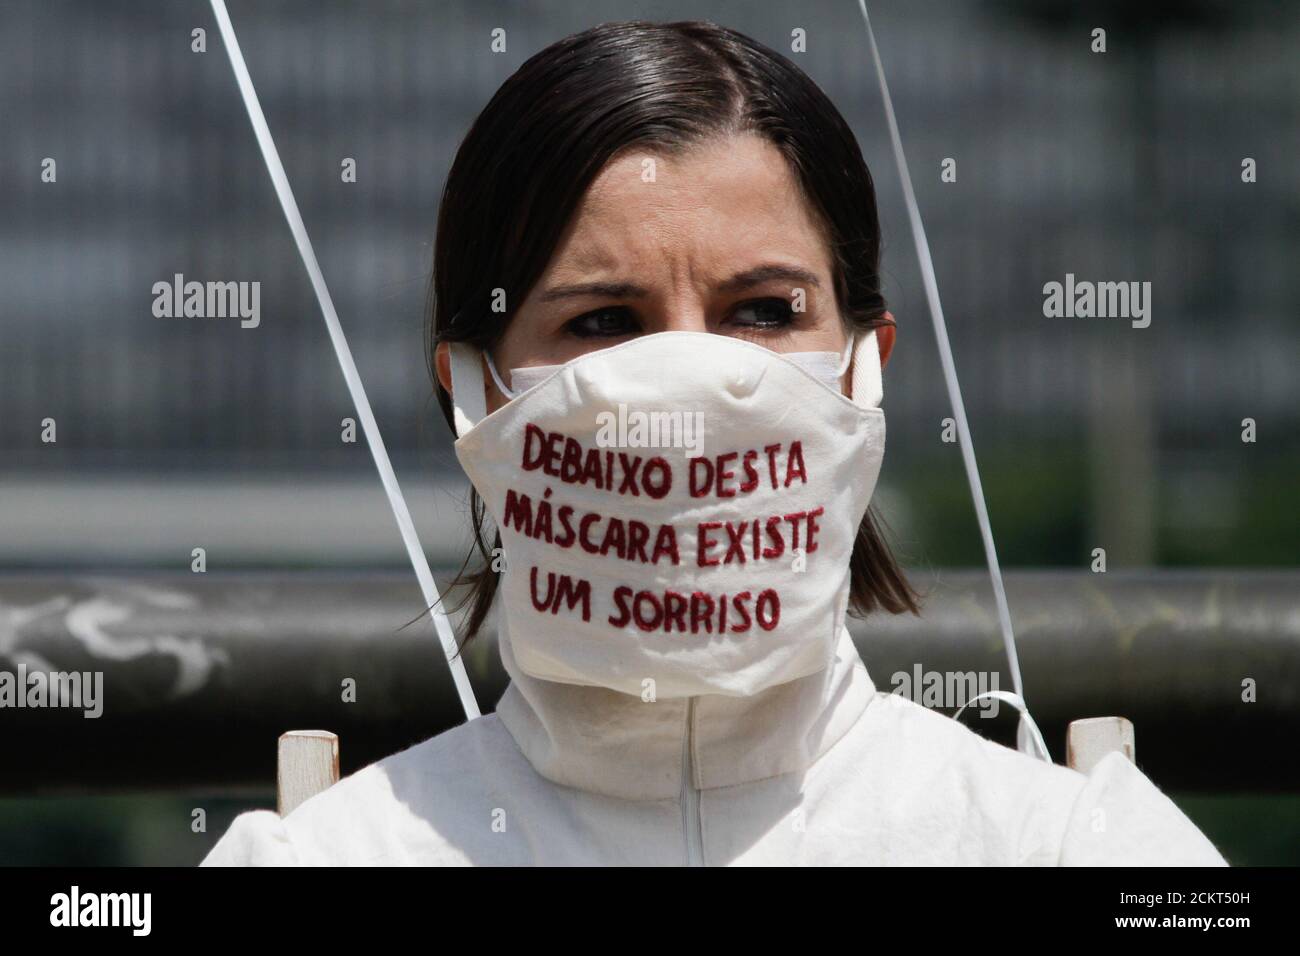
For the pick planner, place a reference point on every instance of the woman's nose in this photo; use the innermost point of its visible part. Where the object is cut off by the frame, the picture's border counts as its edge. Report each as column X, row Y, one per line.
column 681, row 317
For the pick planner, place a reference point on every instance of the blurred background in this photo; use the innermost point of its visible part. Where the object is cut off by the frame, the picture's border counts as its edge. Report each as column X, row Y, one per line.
column 176, row 434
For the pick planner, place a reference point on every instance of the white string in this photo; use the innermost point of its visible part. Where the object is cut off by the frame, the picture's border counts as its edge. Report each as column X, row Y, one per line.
column 1026, row 721
column 1025, row 741
column 368, row 425
column 496, row 376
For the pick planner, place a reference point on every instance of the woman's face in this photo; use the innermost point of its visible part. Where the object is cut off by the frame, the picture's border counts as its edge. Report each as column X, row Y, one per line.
column 717, row 239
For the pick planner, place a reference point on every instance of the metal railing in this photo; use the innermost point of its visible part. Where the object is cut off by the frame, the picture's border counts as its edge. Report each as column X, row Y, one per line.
column 202, row 672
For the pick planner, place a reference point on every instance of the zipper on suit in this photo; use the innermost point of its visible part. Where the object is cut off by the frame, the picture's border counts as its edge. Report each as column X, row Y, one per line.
column 691, row 825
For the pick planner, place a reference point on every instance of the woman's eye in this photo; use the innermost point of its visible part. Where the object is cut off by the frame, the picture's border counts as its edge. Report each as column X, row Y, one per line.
column 603, row 323
column 763, row 313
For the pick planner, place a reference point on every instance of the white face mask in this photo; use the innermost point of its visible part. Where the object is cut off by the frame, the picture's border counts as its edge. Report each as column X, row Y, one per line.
column 677, row 512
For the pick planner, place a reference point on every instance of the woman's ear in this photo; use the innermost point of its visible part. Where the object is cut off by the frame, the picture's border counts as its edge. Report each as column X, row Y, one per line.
column 442, row 365
column 885, row 340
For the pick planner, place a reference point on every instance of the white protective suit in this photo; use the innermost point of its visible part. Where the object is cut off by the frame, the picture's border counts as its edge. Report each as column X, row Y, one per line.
column 825, row 770
column 763, row 747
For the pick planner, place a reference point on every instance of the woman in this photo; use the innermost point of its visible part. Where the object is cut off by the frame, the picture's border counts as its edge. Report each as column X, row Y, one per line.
column 659, row 336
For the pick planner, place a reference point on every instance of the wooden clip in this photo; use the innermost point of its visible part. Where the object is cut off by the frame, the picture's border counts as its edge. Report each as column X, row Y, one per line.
column 307, row 763
column 1090, row 739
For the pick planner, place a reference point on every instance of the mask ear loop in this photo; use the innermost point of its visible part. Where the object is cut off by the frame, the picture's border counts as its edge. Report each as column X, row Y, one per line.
column 847, row 358
column 867, row 387
column 492, row 367
column 468, row 393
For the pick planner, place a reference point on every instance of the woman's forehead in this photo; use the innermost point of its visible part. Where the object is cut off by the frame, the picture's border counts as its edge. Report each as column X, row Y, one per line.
column 722, row 202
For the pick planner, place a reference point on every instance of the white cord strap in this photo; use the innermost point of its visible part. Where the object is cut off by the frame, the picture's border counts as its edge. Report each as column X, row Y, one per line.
column 1026, row 721
column 867, row 385
column 1027, row 741
column 468, row 394
column 368, row 425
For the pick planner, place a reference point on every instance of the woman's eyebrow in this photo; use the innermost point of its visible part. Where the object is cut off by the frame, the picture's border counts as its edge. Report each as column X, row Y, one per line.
column 629, row 290
column 766, row 273
column 607, row 290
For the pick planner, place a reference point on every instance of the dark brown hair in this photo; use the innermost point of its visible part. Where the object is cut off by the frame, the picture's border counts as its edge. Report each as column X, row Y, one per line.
column 548, row 131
